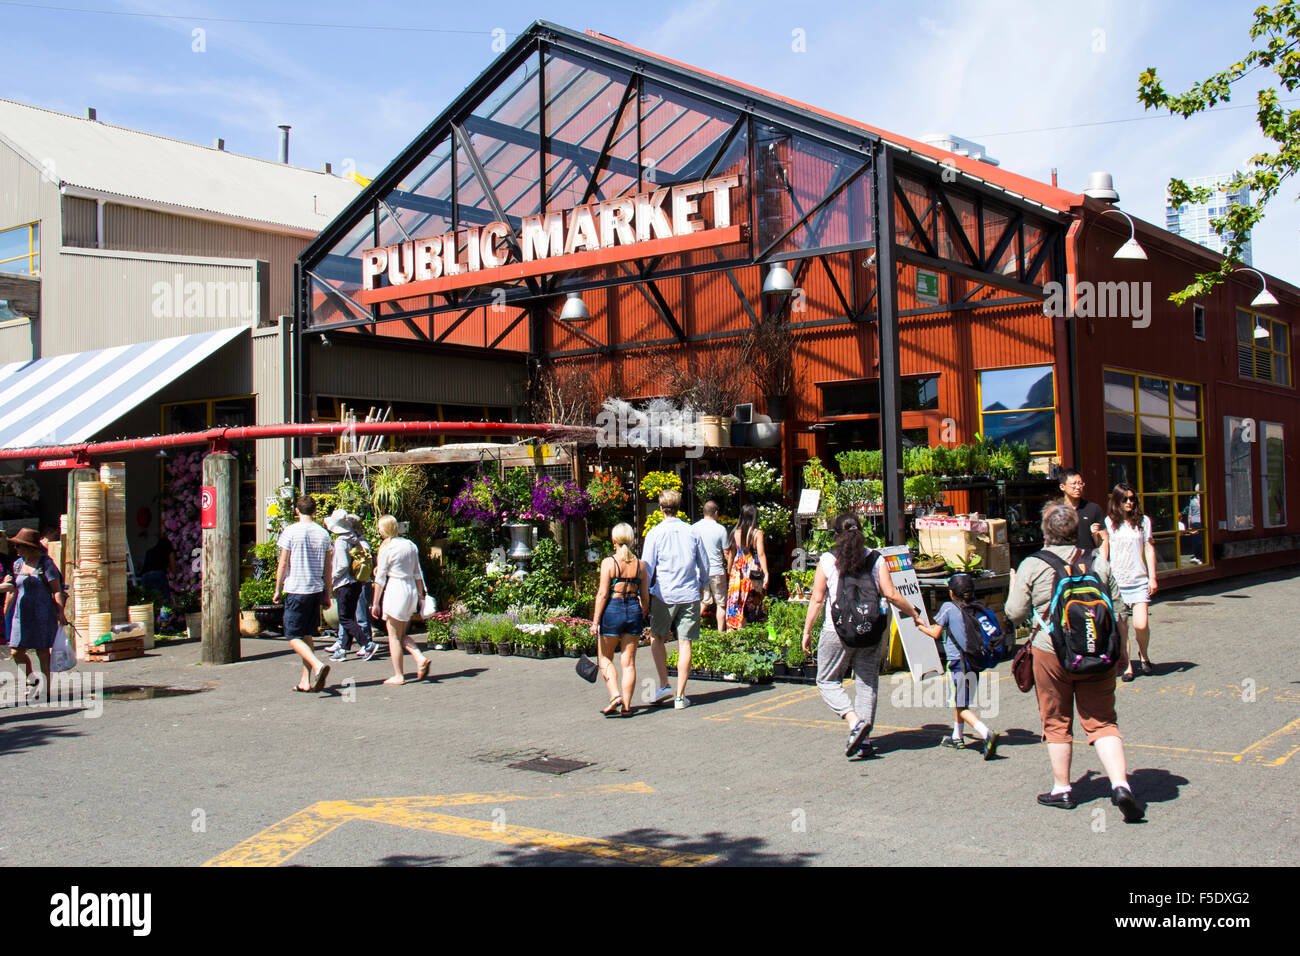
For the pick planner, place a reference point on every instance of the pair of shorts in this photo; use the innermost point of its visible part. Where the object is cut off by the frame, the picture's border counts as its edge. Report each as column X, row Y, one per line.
column 965, row 682
column 622, row 616
column 1061, row 693
column 1138, row 594
column 716, row 592
column 674, row 622
column 302, row 615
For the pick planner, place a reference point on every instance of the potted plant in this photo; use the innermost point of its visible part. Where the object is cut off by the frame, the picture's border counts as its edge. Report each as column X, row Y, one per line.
column 761, row 480
column 607, row 498
column 656, row 482
column 769, row 354
column 716, row 486
column 706, row 382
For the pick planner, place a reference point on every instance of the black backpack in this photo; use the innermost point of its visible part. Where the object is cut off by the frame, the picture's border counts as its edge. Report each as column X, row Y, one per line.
column 1080, row 618
column 856, row 612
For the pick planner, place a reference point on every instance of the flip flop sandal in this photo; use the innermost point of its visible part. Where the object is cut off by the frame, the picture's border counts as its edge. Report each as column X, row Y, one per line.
column 318, row 683
column 612, row 709
column 423, row 670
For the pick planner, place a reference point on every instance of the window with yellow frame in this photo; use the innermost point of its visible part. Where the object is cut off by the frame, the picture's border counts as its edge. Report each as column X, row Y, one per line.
column 1155, row 442
column 1263, row 348
column 1019, row 405
column 20, row 249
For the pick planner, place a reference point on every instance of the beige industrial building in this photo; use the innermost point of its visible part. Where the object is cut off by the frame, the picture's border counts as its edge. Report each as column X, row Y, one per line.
column 145, row 288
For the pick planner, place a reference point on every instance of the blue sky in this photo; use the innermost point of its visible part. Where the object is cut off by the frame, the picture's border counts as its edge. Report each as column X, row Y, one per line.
column 1004, row 73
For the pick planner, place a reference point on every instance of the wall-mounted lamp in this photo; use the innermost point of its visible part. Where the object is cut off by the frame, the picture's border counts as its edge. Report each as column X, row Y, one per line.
column 1130, row 249
column 1264, row 298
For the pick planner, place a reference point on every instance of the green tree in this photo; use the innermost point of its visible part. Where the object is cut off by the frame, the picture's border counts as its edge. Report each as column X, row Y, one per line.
column 1275, row 34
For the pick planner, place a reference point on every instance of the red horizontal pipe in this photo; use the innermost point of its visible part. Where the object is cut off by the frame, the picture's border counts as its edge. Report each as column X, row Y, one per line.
column 251, row 432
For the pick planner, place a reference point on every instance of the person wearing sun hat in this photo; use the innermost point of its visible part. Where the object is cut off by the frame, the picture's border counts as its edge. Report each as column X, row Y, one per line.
column 33, row 603
column 347, row 589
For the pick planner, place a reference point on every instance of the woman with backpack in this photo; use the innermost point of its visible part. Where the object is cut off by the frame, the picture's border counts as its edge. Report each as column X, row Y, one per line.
column 351, row 556
column 622, row 607
column 963, row 647
column 399, row 592
column 1133, row 559
column 850, row 561
column 1036, row 585
column 748, row 570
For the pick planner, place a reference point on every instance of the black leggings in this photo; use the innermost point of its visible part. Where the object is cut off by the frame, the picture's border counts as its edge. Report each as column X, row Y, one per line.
column 347, row 596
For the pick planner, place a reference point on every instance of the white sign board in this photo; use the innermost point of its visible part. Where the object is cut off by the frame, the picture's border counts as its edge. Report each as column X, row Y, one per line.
column 921, row 651
column 809, row 501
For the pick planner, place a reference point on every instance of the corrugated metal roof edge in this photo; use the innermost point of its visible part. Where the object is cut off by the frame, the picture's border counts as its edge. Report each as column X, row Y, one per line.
column 200, row 212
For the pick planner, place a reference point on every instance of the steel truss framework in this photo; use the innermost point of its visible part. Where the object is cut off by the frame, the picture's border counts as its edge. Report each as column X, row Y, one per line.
column 562, row 119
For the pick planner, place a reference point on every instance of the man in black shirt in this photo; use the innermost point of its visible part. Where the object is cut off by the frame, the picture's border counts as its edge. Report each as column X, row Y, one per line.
column 1092, row 522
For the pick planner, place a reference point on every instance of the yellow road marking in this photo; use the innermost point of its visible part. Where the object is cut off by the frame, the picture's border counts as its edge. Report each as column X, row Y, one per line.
column 529, row 837
column 281, row 841
column 1275, row 749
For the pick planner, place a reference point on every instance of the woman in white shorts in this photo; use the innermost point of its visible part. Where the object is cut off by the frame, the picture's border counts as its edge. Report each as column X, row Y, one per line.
column 1133, row 563
column 399, row 592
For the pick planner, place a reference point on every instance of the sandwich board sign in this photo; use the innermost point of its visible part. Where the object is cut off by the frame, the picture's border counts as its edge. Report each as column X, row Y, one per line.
column 920, row 650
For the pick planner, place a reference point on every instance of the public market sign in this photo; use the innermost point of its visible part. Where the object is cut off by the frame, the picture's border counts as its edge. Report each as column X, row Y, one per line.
column 651, row 223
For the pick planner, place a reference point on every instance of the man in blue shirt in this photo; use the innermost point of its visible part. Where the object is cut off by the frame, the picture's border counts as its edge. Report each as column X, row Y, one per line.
column 678, row 567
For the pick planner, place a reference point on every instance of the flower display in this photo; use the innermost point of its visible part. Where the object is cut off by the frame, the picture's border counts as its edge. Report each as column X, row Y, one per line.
column 656, row 482
column 606, row 493
column 761, row 478
column 774, row 520
column 480, row 500
column 180, row 520
column 652, row 519
column 716, row 486
column 559, row 499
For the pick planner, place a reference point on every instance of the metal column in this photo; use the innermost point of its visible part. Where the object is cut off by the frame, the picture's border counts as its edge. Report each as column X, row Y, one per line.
column 891, row 420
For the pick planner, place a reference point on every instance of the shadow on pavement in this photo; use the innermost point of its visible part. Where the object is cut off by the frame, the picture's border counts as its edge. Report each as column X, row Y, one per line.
column 1150, row 785
column 731, row 850
column 416, row 860
column 17, row 735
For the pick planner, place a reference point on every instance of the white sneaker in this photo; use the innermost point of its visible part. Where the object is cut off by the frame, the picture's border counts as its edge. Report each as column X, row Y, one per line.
column 662, row 694
column 681, row 703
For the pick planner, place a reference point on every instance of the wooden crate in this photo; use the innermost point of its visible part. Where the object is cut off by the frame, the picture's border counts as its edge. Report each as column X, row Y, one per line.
column 115, row 656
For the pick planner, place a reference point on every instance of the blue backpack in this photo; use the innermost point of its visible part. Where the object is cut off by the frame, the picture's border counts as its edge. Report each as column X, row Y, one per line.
column 985, row 646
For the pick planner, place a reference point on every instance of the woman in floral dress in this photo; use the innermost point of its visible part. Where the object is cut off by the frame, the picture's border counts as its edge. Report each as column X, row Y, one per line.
column 748, row 580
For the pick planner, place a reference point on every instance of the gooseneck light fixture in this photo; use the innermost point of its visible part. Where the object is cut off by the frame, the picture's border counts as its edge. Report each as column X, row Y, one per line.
column 1130, row 249
column 1264, row 298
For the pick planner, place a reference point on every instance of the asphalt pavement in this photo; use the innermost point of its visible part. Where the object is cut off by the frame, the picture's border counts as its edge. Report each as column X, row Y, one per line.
column 243, row 771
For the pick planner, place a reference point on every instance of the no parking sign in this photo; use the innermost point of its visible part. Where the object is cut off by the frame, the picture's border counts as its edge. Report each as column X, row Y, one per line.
column 208, row 506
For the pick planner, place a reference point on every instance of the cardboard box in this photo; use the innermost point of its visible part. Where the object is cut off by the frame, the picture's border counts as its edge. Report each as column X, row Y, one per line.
column 997, row 532
column 954, row 545
column 997, row 558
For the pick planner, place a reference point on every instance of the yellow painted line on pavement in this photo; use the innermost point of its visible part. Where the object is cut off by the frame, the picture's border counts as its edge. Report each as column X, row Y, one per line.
column 508, row 835
column 801, row 694
column 1274, row 750
column 281, row 841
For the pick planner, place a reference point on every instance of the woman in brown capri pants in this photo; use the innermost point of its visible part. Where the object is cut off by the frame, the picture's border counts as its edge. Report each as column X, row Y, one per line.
column 1061, row 693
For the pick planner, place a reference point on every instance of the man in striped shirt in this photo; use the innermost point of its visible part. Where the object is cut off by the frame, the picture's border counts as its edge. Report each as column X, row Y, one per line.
column 304, row 579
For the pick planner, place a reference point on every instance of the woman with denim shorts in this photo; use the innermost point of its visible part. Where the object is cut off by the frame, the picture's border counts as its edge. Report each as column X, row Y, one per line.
column 1133, row 562
column 618, row 618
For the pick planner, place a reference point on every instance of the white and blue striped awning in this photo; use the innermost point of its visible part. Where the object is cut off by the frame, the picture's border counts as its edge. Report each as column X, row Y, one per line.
column 67, row 399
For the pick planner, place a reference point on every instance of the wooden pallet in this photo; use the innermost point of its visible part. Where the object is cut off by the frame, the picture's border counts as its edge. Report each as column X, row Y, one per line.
column 113, row 647
column 115, row 656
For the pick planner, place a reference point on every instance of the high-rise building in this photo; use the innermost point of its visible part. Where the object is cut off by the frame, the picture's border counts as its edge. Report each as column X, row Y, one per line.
column 1192, row 220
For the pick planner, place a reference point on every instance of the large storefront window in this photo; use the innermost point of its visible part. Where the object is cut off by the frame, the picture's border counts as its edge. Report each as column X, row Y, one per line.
column 919, row 394
column 1238, row 435
column 1155, row 442
column 1273, row 474
column 1019, row 405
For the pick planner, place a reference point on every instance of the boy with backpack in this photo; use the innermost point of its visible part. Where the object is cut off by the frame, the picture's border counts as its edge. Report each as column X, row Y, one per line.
column 970, row 644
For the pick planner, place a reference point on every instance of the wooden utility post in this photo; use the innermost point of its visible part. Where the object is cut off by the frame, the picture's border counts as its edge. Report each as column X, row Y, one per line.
column 221, row 562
